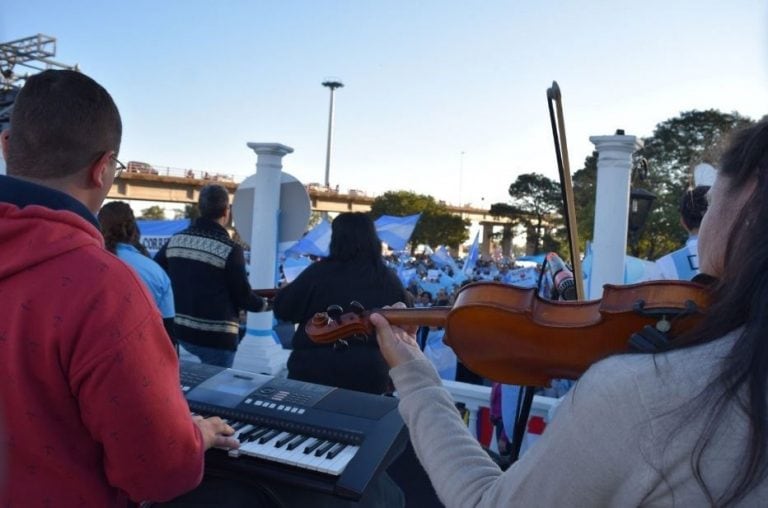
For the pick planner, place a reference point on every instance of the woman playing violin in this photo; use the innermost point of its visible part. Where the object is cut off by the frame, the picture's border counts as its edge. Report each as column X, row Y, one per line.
column 686, row 427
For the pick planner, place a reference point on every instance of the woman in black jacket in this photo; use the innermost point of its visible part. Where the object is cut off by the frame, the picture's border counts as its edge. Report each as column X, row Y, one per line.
column 354, row 271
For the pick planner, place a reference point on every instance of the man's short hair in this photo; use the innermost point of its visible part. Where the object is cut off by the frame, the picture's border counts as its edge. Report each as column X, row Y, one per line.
column 213, row 201
column 693, row 206
column 62, row 122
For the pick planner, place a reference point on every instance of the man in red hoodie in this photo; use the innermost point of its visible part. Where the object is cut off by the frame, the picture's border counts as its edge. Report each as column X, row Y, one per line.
column 89, row 382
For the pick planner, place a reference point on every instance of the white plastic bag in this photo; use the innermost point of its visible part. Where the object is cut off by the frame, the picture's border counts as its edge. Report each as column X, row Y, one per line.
column 441, row 356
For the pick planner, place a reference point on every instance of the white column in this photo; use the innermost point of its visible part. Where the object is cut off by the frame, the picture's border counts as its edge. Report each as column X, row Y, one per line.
column 260, row 348
column 614, row 168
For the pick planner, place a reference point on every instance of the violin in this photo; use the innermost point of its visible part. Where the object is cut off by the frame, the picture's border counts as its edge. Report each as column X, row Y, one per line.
column 513, row 336
column 269, row 294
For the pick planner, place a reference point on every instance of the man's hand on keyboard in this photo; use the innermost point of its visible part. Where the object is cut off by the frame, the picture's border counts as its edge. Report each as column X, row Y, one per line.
column 216, row 433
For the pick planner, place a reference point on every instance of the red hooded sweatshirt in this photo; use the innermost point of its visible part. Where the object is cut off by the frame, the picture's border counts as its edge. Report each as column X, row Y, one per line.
column 89, row 382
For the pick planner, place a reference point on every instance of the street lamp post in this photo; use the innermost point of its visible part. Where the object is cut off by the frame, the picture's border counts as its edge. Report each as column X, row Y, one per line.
column 333, row 84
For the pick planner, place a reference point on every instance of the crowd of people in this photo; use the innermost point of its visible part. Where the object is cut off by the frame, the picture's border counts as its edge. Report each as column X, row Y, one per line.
column 92, row 413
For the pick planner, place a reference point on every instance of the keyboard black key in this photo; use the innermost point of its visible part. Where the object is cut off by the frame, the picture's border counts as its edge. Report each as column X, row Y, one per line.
column 283, row 440
column 335, row 451
column 310, row 448
column 269, row 435
column 246, row 436
column 256, row 435
column 322, row 450
column 296, row 442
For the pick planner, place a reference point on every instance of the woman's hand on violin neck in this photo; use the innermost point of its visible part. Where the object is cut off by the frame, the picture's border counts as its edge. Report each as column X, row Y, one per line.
column 398, row 346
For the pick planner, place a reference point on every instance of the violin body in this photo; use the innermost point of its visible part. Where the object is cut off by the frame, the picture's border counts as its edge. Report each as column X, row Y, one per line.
column 513, row 336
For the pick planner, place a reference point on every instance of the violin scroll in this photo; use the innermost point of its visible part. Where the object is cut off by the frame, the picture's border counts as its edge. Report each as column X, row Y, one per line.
column 335, row 325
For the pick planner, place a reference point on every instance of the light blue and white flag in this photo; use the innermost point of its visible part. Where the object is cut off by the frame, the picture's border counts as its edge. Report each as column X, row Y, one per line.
column 474, row 252
column 155, row 233
column 441, row 257
column 293, row 266
column 316, row 242
column 396, row 231
column 406, row 275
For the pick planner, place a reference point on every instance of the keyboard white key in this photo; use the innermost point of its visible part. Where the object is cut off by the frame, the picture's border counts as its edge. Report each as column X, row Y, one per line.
column 336, row 465
column 297, row 457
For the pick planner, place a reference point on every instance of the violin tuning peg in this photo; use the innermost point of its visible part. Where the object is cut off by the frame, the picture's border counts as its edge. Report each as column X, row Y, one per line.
column 320, row 319
column 340, row 345
column 356, row 307
column 334, row 313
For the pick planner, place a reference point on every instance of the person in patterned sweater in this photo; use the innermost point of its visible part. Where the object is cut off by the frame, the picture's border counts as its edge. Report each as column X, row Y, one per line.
column 210, row 286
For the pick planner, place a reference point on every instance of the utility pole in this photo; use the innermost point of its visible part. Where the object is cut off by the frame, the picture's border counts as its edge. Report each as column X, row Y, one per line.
column 333, row 84
column 461, row 177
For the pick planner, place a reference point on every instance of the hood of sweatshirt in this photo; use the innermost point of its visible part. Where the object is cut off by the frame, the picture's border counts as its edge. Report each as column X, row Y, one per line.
column 38, row 223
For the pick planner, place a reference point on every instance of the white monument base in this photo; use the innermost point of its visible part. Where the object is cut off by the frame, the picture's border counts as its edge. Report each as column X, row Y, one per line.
column 260, row 350
column 262, row 355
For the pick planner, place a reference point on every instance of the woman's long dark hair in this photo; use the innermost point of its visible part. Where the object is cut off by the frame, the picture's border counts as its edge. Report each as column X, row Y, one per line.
column 353, row 237
column 740, row 299
column 118, row 225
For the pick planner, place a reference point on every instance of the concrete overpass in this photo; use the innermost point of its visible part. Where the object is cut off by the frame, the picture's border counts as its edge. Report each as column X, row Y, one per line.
column 170, row 185
column 171, row 188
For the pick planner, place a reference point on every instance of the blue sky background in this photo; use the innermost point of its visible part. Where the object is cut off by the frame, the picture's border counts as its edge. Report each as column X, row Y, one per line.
column 425, row 80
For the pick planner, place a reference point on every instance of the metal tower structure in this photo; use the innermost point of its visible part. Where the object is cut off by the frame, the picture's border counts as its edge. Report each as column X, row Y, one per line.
column 30, row 53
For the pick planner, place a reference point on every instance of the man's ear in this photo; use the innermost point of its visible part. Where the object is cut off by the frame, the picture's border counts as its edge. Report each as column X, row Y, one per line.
column 4, row 137
column 98, row 173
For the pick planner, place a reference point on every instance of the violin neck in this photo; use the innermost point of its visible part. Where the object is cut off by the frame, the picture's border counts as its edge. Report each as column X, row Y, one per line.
column 269, row 294
column 422, row 316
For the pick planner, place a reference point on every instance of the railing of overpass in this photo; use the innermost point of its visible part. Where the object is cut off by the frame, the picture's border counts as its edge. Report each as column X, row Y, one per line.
column 143, row 168
column 138, row 170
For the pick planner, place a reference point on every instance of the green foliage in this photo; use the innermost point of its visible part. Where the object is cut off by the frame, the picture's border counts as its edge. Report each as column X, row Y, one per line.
column 675, row 147
column 153, row 213
column 191, row 212
column 536, row 204
column 437, row 226
column 584, row 190
column 314, row 219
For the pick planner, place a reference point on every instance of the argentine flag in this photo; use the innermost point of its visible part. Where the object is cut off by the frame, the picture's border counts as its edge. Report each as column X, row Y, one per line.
column 441, row 257
column 396, row 231
column 474, row 252
column 316, row 242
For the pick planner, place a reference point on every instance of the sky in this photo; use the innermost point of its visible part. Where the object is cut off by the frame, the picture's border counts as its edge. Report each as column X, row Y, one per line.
column 440, row 97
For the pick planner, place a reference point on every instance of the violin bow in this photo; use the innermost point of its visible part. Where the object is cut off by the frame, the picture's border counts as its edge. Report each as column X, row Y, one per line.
column 554, row 101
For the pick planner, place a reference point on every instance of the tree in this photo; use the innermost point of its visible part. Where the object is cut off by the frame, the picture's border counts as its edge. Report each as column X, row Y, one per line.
column 314, row 219
column 153, row 213
column 675, row 147
column 191, row 211
column 584, row 191
column 536, row 203
column 437, row 226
